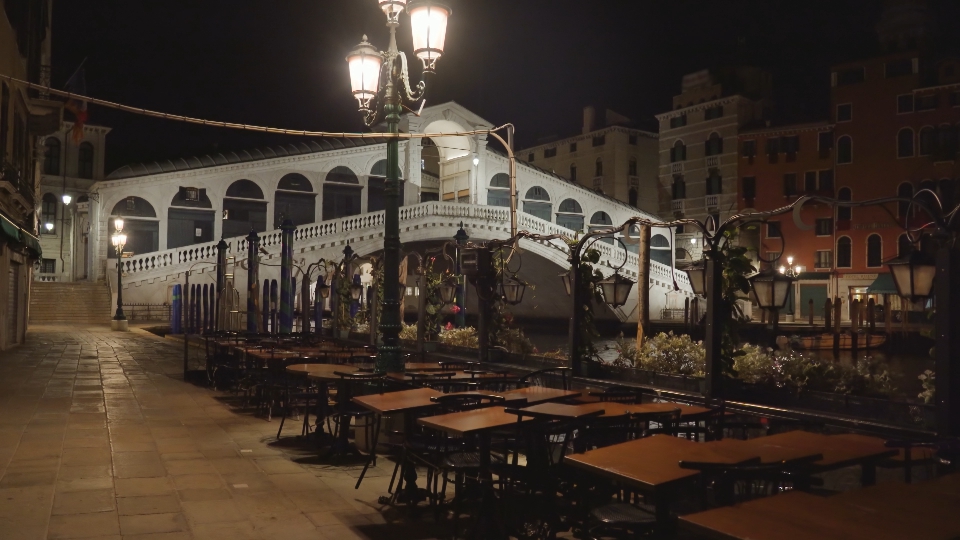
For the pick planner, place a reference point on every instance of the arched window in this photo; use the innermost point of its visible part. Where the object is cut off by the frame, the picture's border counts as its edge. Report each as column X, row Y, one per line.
column 51, row 158
column 377, row 187
column 244, row 209
column 874, row 251
column 844, row 213
column 905, row 143
column 537, row 203
column 679, row 188
column 714, row 145
column 85, row 160
column 573, row 172
column 632, row 167
column 844, row 252
column 140, row 224
column 295, row 200
column 681, row 254
column 498, row 193
column 844, row 150
column 678, row 152
column 905, row 191
column 660, row 249
column 632, row 197
column 904, row 246
column 928, row 141
column 341, row 194
column 570, row 215
column 601, row 220
column 48, row 213
column 598, row 171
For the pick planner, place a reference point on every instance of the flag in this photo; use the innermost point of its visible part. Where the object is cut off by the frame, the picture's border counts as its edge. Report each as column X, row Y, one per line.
column 77, row 84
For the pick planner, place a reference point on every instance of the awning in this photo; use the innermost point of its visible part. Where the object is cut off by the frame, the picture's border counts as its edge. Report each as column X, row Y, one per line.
column 9, row 232
column 882, row 285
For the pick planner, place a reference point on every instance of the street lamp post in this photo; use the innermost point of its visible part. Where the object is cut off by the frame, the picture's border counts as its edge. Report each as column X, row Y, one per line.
column 381, row 84
column 461, row 238
column 119, row 240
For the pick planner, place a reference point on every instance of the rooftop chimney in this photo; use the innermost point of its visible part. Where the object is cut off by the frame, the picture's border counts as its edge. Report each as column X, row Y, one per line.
column 589, row 118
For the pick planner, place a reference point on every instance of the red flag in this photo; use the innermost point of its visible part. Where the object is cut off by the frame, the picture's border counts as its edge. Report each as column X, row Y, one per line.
column 77, row 85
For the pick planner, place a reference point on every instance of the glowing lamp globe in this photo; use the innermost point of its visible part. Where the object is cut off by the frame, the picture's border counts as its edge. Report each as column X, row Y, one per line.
column 365, row 62
column 67, row 199
column 913, row 275
column 118, row 224
column 48, row 226
column 392, row 8
column 771, row 289
column 428, row 20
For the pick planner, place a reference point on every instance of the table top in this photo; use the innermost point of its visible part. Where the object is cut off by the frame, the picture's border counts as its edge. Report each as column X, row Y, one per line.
column 475, row 421
column 917, row 454
column 532, row 394
column 837, row 451
column 768, row 453
column 328, row 372
column 798, row 515
column 394, row 402
column 457, row 376
column 654, row 462
column 562, row 410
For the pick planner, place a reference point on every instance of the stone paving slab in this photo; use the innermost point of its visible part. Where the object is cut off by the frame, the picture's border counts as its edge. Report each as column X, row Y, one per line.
column 100, row 438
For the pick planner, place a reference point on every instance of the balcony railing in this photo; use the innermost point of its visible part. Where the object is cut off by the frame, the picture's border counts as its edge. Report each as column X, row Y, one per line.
column 676, row 168
column 711, row 201
column 677, row 205
column 713, row 161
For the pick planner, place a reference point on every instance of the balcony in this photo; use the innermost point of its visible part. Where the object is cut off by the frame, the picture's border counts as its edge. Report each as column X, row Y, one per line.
column 677, row 205
column 18, row 187
column 598, row 183
column 713, row 161
column 633, row 181
column 711, row 201
column 676, row 168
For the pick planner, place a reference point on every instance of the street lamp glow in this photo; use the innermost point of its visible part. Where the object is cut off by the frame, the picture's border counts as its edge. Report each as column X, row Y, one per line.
column 790, row 260
column 783, row 269
column 66, row 199
column 476, row 161
column 365, row 62
column 119, row 240
column 118, row 224
column 693, row 241
column 392, row 8
column 48, row 226
column 428, row 20
column 913, row 275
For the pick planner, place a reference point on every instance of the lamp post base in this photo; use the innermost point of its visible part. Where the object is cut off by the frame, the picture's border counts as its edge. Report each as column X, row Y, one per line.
column 119, row 325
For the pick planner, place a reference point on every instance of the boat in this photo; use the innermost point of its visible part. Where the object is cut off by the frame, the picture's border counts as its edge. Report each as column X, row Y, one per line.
column 825, row 342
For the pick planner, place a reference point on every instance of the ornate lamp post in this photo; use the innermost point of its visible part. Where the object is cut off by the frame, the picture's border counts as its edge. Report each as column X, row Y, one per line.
column 461, row 239
column 381, row 84
column 119, row 240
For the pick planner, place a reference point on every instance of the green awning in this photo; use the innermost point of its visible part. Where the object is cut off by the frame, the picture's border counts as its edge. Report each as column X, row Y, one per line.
column 9, row 232
column 32, row 243
column 882, row 285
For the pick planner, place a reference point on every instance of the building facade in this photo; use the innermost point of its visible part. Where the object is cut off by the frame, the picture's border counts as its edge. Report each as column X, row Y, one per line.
column 25, row 116
column 611, row 159
column 68, row 168
column 698, row 147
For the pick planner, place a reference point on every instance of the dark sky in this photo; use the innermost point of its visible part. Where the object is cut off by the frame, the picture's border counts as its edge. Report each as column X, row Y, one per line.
column 535, row 63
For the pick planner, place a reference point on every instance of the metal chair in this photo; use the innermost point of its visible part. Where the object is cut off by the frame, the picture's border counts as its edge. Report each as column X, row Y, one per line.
column 534, row 378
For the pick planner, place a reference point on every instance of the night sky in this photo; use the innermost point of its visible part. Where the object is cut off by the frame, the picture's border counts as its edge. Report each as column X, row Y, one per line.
column 535, row 63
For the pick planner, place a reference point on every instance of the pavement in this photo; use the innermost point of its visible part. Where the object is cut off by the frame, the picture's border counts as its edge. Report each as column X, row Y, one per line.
column 100, row 438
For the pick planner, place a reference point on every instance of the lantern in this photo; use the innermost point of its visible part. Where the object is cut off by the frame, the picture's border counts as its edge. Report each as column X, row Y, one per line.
column 119, row 240
column 118, row 224
column 356, row 289
column 913, row 275
column 567, row 279
column 697, row 274
column 616, row 290
column 48, row 226
column 428, row 19
column 771, row 289
column 512, row 289
column 66, row 199
column 365, row 62
column 324, row 288
column 448, row 291
column 392, row 8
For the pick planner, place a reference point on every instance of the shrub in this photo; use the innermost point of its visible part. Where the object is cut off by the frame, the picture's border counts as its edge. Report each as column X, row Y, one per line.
column 460, row 337
column 928, row 380
column 408, row 332
column 669, row 353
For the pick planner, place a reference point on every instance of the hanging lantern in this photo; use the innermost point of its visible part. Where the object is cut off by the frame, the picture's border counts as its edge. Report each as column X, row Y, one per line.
column 771, row 289
column 392, row 8
column 428, row 20
column 616, row 290
column 324, row 288
column 356, row 289
column 567, row 279
column 913, row 275
column 697, row 274
column 448, row 291
column 118, row 224
column 512, row 289
column 365, row 62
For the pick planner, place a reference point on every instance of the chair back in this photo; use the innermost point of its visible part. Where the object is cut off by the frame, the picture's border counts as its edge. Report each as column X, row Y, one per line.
column 458, row 364
column 537, row 378
column 450, row 403
column 733, row 484
column 358, row 384
column 620, row 395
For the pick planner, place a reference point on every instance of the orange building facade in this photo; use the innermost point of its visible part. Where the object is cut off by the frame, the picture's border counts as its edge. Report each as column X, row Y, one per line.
column 893, row 130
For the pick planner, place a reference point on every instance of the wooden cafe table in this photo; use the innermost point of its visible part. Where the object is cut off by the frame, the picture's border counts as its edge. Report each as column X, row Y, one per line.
column 531, row 394
column 652, row 465
column 838, row 452
column 798, row 515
